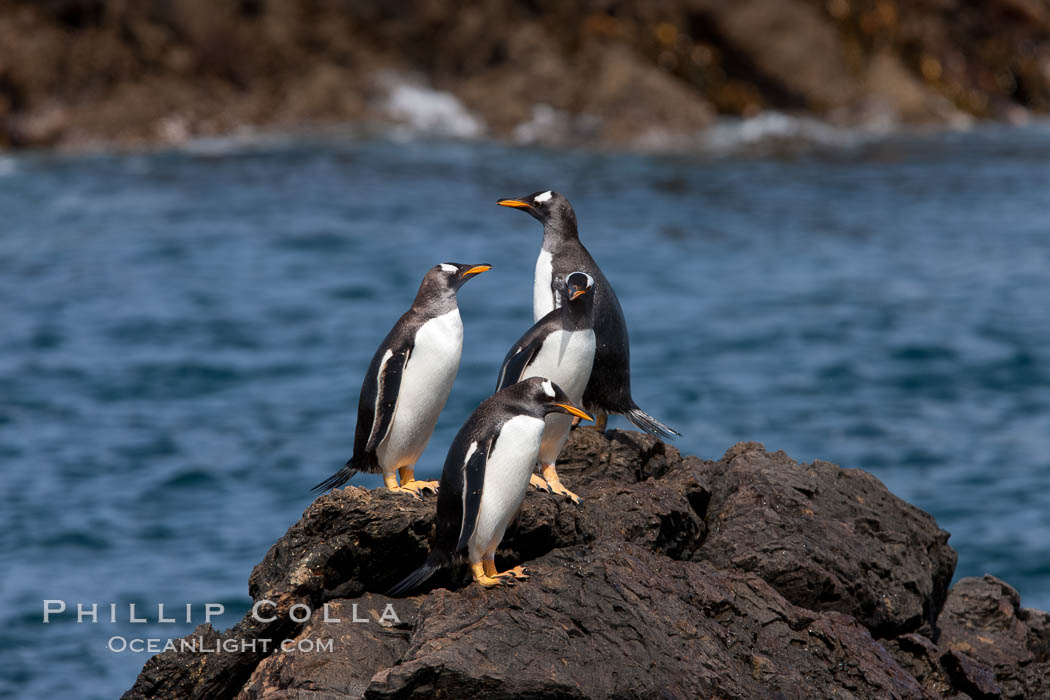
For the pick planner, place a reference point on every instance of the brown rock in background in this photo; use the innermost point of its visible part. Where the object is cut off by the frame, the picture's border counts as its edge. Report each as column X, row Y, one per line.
column 583, row 72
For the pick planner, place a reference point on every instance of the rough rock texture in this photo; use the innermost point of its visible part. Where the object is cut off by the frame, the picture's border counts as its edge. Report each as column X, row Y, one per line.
column 556, row 71
column 798, row 528
column 753, row 576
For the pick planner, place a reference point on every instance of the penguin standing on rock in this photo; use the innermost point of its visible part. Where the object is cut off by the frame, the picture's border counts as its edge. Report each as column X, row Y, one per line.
column 408, row 383
column 609, row 387
column 485, row 478
column 560, row 347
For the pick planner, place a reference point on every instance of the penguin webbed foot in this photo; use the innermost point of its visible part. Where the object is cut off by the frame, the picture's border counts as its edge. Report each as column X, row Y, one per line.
column 403, row 489
column 519, row 573
column 421, row 486
column 485, row 575
column 538, row 482
column 555, row 486
column 409, row 483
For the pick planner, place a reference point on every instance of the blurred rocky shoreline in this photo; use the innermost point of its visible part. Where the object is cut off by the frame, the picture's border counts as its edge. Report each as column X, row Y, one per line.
column 79, row 73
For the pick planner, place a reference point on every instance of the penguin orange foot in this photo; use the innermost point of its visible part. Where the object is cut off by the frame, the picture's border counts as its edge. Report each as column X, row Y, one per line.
column 508, row 577
column 485, row 579
column 518, row 572
column 410, row 483
column 538, row 482
column 390, row 481
column 554, row 485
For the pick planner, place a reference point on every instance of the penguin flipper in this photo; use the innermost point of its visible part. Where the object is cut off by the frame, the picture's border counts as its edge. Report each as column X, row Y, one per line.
column 473, row 480
column 387, row 390
column 519, row 357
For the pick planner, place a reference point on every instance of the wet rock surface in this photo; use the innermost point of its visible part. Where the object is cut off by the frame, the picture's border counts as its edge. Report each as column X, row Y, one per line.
column 648, row 75
column 753, row 576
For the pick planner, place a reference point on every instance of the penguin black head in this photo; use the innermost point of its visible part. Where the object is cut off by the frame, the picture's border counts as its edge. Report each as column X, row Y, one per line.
column 577, row 285
column 537, row 396
column 443, row 281
column 548, row 207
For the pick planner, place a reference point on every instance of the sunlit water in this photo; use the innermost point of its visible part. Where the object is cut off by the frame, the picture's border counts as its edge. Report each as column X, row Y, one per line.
column 184, row 335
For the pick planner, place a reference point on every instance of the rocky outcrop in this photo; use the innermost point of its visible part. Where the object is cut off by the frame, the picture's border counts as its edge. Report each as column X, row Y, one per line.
column 649, row 75
column 753, row 576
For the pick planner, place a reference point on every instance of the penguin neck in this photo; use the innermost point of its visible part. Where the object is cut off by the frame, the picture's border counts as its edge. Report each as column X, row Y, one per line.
column 577, row 315
column 559, row 232
column 522, row 406
column 431, row 305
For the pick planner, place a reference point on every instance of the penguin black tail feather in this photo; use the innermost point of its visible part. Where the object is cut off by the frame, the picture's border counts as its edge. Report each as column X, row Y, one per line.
column 417, row 578
column 338, row 479
column 645, row 422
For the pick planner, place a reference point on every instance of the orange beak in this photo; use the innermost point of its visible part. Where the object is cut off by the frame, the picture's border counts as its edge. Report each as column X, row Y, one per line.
column 476, row 270
column 578, row 293
column 516, row 203
column 574, row 411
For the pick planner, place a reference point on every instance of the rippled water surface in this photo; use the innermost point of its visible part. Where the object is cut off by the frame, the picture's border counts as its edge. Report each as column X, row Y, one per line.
column 185, row 334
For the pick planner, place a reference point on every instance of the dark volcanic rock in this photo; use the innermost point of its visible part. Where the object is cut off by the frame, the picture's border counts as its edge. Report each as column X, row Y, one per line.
column 828, row 539
column 993, row 642
column 989, row 646
column 752, row 576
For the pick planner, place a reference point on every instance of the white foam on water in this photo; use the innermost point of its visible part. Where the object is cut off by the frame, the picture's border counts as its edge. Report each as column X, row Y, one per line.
column 776, row 131
column 425, row 110
column 545, row 125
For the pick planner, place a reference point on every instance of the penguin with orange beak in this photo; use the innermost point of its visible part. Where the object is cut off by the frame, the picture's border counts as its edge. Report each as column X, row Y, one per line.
column 609, row 387
column 560, row 346
column 408, row 382
column 485, row 478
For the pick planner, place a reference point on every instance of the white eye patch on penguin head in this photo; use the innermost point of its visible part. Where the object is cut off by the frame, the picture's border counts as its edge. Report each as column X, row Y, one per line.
column 450, row 276
column 577, row 284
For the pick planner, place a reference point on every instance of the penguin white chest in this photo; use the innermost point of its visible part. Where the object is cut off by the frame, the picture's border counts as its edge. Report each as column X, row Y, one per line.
column 566, row 358
column 425, row 385
column 542, row 295
column 507, row 473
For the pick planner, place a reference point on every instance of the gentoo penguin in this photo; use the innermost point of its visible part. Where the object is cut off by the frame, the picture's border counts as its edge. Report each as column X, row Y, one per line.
column 609, row 388
column 560, row 347
column 408, row 383
column 485, row 478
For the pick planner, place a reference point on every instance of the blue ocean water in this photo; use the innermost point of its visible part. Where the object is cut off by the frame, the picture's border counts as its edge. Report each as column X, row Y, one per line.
column 185, row 334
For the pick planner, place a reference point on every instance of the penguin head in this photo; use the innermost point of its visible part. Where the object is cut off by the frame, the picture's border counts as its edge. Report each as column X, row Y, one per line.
column 573, row 292
column 578, row 285
column 548, row 207
column 452, row 275
column 541, row 396
column 443, row 281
